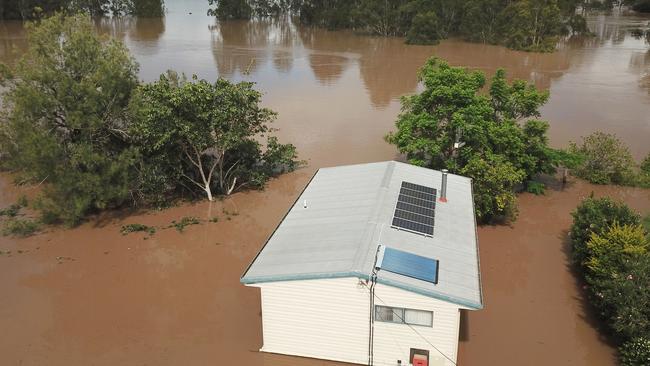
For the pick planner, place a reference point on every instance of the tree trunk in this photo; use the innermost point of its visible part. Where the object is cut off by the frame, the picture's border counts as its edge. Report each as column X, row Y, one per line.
column 208, row 191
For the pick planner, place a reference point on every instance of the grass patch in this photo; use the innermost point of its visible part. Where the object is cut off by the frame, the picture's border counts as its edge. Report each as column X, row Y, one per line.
column 185, row 221
column 134, row 228
column 536, row 188
column 20, row 228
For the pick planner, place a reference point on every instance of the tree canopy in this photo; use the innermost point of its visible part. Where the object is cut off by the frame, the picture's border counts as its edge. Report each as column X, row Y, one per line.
column 206, row 133
column 68, row 117
column 493, row 138
column 76, row 119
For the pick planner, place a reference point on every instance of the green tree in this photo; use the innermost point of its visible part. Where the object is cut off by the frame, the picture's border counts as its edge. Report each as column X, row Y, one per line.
column 206, row 134
column 66, row 122
column 452, row 124
column 494, row 180
column 532, row 25
column 482, row 20
column 230, row 9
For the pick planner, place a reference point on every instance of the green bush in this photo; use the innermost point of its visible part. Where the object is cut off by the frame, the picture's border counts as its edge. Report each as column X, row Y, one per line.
column 536, row 188
column 132, row 228
column 635, row 352
column 185, row 221
column 613, row 249
column 11, row 211
column 594, row 216
column 20, row 228
column 622, row 295
column 605, row 160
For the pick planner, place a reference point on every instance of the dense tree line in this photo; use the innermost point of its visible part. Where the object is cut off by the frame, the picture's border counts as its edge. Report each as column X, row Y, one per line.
column 611, row 250
column 76, row 119
column 533, row 25
column 31, row 9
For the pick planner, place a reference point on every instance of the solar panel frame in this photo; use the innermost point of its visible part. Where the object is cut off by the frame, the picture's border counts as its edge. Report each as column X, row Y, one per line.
column 415, row 209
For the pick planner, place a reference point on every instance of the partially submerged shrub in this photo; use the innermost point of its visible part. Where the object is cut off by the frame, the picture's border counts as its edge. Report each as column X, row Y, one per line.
column 537, row 188
column 132, row 228
column 185, row 221
column 11, row 211
column 594, row 216
column 605, row 160
column 20, row 228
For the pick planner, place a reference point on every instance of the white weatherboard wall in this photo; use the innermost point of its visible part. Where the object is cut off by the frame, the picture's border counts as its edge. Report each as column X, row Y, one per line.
column 329, row 319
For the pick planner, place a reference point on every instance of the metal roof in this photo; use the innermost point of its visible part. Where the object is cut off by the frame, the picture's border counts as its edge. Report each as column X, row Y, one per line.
column 348, row 214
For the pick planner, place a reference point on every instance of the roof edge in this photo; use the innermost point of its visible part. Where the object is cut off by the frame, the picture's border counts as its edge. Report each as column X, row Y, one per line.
column 433, row 294
column 300, row 277
column 277, row 226
column 331, row 275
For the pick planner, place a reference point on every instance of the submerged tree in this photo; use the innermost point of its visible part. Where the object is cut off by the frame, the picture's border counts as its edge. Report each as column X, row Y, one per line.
column 66, row 119
column 34, row 9
column 492, row 138
column 207, row 133
column 519, row 24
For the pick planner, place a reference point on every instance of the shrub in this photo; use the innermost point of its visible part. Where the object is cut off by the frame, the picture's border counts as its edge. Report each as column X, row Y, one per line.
column 11, row 211
column 536, row 188
column 20, row 228
column 609, row 252
column 132, row 228
column 605, row 160
column 185, row 221
column 622, row 297
column 635, row 352
column 615, row 263
column 594, row 216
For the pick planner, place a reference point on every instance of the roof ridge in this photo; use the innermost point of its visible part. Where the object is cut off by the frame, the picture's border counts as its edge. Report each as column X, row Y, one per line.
column 371, row 235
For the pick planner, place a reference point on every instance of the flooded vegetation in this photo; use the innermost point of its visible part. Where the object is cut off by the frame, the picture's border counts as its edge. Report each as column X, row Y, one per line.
column 94, row 295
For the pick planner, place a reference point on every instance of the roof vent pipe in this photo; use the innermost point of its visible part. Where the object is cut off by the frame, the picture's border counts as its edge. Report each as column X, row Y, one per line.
column 443, row 188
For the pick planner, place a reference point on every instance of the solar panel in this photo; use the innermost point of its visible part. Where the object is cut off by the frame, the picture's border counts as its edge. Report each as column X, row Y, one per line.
column 410, row 265
column 415, row 209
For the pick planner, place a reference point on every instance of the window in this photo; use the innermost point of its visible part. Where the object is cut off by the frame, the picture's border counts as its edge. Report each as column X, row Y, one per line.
column 403, row 316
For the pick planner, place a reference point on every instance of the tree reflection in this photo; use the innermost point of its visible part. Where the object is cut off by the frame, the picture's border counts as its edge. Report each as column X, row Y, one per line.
column 147, row 29
column 240, row 46
column 13, row 41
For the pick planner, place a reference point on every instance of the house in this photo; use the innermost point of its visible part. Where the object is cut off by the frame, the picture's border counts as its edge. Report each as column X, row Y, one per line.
column 371, row 265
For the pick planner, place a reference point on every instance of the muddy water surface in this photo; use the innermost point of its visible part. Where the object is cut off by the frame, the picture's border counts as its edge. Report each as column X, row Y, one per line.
column 91, row 296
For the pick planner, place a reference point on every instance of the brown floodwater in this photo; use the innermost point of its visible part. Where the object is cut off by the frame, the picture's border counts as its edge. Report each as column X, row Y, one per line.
column 91, row 296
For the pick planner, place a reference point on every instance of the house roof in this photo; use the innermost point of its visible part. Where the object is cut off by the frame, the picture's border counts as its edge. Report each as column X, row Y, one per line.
column 349, row 214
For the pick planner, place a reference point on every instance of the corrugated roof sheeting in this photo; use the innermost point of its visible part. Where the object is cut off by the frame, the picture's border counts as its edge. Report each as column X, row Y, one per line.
column 349, row 213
